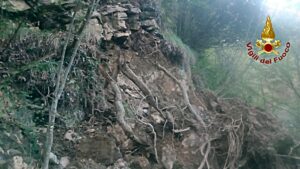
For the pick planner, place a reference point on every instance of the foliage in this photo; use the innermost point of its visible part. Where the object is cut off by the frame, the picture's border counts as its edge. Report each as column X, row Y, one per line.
column 218, row 32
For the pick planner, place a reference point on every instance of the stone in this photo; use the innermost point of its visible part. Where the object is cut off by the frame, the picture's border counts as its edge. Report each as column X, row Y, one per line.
column 140, row 163
column 157, row 118
column 134, row 23
column 94, row 30
column 14, row 5
column 53, row 158
column 48, row 2
column 121, row 34
column 119, row 24
column 13, row 152
column 107, row 32
column 70, row 135
column 1, row 150
column 100, row 148
column 168, row 156
column 64, row 161
column 119, row 164
column 121, row 15
column 109, row 9
column 2, row 160
column 17, row 163
column 134, row 10
column 149, row 25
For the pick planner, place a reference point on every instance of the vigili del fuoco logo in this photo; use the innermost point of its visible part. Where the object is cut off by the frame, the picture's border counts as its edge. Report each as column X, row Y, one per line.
column 267, row 46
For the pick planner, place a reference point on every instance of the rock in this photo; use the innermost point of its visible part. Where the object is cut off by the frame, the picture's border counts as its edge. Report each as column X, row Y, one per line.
column 145, row 15
column 70, row 135
column 109, row 9
column 168, row 156
column 121, row 15
column 134, row 10
column 94, row 30
column 119, row 25
column 107, row 31
column 119, row 164
column 13, row 152
column 17, row 163
column 48, row 2
column 53, row 158
column 117, row 132
column 100, row 148
column 157, row 118
column 134, row 23
column 85, row 164
column 14, row 5
column 64, row 161
column 140, row 163
column 148, row 12
column 122, row 34
column 149, row 25
column 1, row 150
column 2, row 160
column 191, row 141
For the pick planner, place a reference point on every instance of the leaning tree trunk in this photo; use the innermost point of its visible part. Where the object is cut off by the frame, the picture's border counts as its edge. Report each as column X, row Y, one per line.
column 61, row 80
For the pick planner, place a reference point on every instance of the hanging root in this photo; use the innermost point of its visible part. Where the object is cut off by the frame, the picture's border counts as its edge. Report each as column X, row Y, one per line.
column 205, row 154
column 120, row 107
column 235, row 140
column 154, row 139
column 184, row 91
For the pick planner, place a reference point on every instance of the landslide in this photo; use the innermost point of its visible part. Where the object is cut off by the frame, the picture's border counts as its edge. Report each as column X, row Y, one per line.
column 129, row 101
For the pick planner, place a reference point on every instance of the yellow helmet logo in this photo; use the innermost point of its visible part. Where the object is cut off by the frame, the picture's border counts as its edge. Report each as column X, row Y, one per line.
column 268, row 44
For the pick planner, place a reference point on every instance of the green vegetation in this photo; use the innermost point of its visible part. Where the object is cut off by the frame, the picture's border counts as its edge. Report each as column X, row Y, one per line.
column 217, row 40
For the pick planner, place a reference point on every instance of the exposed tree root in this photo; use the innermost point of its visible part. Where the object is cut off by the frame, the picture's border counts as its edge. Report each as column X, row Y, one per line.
column 142, row 86
column 235, row 141
column 205, row 154
column 120, row 107
column 154, row 139
column 184, row 91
